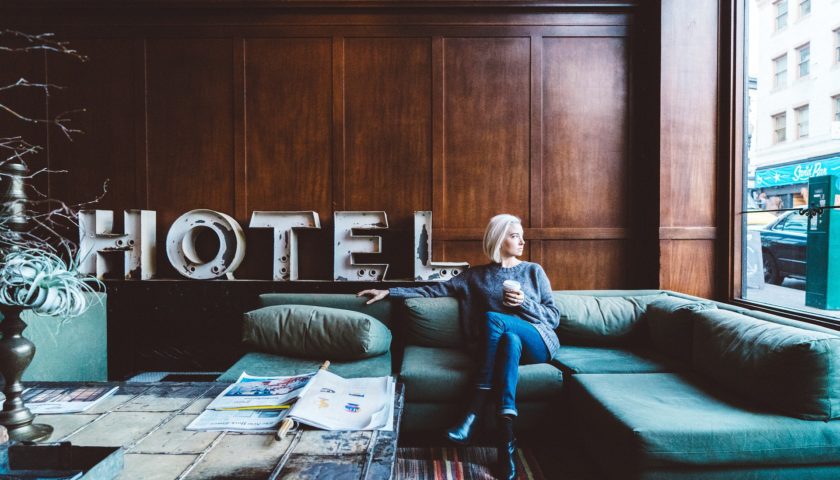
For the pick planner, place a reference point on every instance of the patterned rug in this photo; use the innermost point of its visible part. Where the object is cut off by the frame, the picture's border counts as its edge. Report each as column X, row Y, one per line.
column 470, row 463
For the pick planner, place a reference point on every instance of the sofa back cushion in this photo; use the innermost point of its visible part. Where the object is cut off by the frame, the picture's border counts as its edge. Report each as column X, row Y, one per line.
column 787, row 369
column 432, row 322
column 669, row 325
column 308, row 331
column 379, row 310
column 601, row 320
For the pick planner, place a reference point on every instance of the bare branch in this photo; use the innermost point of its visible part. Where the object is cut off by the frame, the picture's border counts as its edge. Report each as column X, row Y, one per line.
column 42, row 41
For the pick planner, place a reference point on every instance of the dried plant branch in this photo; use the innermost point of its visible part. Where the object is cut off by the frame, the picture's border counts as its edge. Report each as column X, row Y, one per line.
column 36, row 42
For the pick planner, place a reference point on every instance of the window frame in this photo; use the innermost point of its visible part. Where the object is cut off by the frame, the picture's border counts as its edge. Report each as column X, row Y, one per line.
column 781, row 15
column 775, row 117
column 835, row 108
column 806, row 48
column 733, row 134
column 801, row 3
column 797, row 112
column 777, row 74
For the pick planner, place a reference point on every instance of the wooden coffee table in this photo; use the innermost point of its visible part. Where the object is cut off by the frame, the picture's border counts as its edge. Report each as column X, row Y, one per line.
column 148, row 420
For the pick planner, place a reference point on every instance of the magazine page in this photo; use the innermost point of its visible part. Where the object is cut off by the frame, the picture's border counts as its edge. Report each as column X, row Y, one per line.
column 64, row 399
column 251, row 392
column 261, row 421
column 334, row 403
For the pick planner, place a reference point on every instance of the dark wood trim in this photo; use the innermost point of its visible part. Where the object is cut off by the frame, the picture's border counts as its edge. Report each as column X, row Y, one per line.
column 687, row 233
column 141, row 125
column 240, row 146
column 338, row 163
column 125, row 5
column 438, row 135
column 732, row 158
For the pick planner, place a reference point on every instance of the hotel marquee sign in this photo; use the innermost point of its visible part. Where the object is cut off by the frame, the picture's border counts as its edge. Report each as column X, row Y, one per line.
column 354, row 233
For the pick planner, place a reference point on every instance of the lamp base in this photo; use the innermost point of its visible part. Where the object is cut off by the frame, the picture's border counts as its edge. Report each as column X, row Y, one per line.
column 34, row 432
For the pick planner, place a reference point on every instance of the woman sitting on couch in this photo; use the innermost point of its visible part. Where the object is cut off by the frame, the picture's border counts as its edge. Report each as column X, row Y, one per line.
column 507, row 308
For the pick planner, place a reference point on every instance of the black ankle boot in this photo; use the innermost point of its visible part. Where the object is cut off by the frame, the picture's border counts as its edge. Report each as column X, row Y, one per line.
column 506, row 452
column 462, row 432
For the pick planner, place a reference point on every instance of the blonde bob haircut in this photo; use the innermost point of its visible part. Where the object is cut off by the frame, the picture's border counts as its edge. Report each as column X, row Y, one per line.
column 495, row 233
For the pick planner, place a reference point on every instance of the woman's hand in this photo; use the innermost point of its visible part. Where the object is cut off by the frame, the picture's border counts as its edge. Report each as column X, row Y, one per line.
column 513, row 299
column 375, row 295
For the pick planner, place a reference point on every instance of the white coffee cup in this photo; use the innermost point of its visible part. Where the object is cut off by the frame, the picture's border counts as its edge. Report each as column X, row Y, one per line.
column 511, row 286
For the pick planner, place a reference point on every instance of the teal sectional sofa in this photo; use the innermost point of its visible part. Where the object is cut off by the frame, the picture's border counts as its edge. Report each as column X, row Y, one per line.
column 652, row 383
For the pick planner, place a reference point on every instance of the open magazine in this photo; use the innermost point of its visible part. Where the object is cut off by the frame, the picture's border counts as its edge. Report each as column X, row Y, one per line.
column 334, row 403
column 64, row 399
column 322, row 399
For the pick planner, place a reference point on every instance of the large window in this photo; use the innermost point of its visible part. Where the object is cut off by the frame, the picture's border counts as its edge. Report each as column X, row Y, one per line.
column 791, row 139
column 780, row 71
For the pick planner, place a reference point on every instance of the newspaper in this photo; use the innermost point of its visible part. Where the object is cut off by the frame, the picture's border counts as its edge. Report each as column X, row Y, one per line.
column 256, row 421
column 64, row 399
column 334, row 403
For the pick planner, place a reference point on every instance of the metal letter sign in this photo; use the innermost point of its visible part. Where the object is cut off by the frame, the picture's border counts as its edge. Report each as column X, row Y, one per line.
column 99, row 246
column 347, row 244
column 424, row 268
column 180, row 244
column 285, row 225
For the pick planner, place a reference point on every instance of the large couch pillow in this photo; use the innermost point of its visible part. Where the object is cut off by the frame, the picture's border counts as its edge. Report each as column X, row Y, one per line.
column 309, row 331
column 601, row 320
column 433, row 322
column 669, row 324
column 787, row 369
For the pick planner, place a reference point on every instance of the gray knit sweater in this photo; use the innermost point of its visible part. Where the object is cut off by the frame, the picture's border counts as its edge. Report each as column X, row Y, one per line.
column 479, row 290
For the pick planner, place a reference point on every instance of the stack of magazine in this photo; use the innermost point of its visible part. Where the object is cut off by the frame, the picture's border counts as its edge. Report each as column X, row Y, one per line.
column 323, row 400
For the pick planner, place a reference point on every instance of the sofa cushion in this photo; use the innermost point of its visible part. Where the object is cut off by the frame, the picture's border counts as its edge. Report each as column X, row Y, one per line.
column 572, row 359
column 669, row 325
column 315, row 332
column 788, row 369
column 379, row 310
column 601, row 320
column 446, row 375
column 266, row 364
column 432, row 322
column 639, row 421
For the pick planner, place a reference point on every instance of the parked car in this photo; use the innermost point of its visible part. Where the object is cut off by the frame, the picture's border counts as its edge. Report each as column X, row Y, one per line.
column 783, row 246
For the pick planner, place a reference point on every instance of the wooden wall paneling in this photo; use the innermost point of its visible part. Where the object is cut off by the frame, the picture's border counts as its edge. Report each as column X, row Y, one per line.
column 288, row 142
column 585, row 154
column 289, row 120
column 388, row 126
column 338, row 135
column 690, row 266
column 30, row 103
column 688, row 139
column 585, row 264
column 536, row 146
column 240, row 151
column 688, row 145
column 190, row 129
column 105, row 150
column 470, row 251
column 438, row 171
column 486, row 144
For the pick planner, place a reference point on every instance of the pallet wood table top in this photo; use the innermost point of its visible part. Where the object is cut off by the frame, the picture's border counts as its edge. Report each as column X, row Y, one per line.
column 148, row 420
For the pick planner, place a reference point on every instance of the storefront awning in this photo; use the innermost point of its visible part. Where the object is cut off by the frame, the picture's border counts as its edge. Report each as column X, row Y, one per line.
column 797, row 172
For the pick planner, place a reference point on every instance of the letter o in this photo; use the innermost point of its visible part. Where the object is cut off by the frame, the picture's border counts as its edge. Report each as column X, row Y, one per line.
column 180, row 244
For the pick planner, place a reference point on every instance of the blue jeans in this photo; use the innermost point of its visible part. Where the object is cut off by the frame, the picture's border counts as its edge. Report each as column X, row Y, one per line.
column 509, row 342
